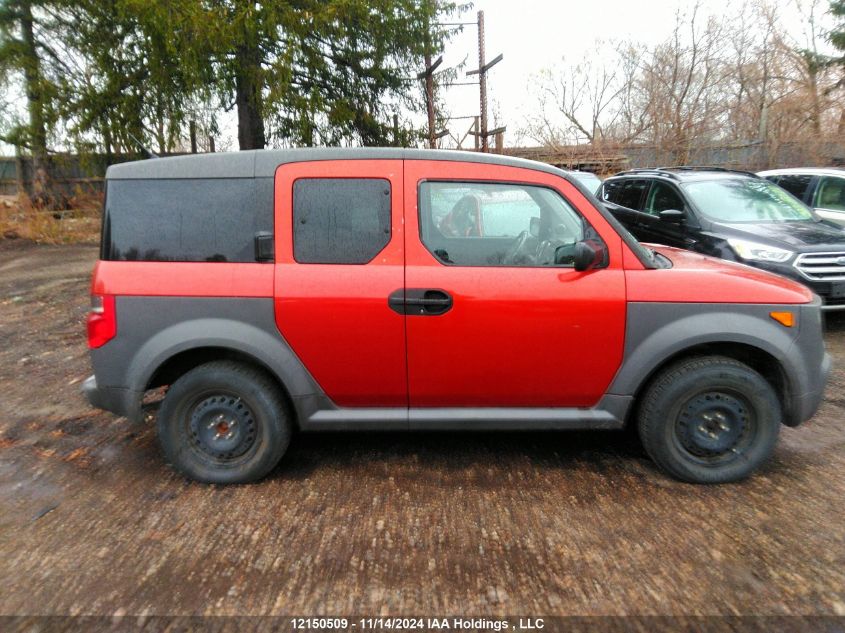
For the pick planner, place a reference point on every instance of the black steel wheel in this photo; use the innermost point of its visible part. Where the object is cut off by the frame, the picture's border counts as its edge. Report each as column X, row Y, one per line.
column 222, row 427
column 716, row 426
column 224, row 422
column 709, row 420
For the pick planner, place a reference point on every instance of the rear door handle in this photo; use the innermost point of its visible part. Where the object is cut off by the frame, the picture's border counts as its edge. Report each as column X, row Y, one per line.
column 420, row 301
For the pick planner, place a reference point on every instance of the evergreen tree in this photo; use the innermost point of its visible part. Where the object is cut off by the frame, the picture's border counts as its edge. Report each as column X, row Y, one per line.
column 301, row 72
column 22, row 49
column 320, row 71
column 837, row 34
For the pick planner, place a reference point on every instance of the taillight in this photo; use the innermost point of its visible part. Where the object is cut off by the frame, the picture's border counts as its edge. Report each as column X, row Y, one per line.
column 102, row 321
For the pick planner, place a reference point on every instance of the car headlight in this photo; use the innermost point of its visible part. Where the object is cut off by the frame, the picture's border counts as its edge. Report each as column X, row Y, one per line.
column 759, row 252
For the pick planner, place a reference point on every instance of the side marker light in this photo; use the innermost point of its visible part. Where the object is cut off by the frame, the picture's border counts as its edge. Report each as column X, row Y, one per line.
column 787, row 319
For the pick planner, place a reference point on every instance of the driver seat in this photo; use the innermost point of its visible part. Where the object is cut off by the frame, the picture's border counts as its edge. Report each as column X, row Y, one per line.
column 464, row 220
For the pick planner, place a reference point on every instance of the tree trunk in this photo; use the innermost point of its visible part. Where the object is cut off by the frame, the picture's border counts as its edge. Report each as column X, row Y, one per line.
column 37, row 126
column 248, row 98
column 20, row 172
column 159, row 132
column 816, row 109
column 192, row 128
column 107, row 144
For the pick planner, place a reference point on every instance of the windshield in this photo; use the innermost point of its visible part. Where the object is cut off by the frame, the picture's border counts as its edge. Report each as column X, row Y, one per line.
column 746, row 200
column 589, row 180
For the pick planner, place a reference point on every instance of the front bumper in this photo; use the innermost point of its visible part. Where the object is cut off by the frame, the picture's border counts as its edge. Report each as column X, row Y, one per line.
column 808, row 367
column 805, row 405
column 123, row 402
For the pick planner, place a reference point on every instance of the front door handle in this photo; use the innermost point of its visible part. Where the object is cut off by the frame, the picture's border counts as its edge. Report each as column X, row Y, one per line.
column 420, row 302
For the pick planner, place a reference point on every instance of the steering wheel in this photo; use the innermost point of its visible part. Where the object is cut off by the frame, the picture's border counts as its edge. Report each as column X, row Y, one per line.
column 520, row 252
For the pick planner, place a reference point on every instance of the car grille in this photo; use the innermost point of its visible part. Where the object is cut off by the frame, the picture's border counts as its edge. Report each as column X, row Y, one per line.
column 822, row 266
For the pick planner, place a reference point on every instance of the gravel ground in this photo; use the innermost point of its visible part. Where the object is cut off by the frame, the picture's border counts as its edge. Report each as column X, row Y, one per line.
column 93, row 523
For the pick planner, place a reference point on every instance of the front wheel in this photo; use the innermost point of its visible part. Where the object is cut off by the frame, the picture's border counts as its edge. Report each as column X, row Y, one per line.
column 709, row 419
column 224, row 423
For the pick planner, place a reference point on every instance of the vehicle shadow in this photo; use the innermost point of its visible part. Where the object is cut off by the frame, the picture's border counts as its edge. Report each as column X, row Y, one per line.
column 449, row 451
column 834, row 321
column 457, row 451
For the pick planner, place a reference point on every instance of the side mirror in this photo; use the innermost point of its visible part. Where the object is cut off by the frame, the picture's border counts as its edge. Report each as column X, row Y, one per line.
column 589, row 254
column 673, row 216
column 534, row 227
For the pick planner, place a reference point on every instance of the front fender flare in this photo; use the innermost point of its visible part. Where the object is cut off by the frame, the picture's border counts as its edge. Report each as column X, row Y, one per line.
column 657, row 332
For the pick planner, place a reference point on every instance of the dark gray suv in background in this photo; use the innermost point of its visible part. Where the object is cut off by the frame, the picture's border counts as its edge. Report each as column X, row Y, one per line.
column 733, row 215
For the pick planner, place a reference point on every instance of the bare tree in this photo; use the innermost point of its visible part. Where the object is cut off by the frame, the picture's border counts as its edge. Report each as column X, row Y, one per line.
column 576, row 104
column 683, row 81
column 742, row 81
column 632, row 105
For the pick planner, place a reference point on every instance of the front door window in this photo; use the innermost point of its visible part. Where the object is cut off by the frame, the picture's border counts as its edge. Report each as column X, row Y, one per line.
column 663, row 197
column 831, row 194
column 498, row 224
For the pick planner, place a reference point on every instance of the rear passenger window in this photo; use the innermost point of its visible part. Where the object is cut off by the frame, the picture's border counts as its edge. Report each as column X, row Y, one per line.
column 340, row 220
column 626, row 193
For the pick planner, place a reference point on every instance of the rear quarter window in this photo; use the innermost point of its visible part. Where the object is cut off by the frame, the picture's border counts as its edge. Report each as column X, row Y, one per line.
column 186, row 220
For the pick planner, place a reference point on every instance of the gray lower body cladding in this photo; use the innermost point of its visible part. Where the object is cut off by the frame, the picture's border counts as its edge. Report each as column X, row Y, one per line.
column 658, row 331
column 608, row 414
column 152, row 330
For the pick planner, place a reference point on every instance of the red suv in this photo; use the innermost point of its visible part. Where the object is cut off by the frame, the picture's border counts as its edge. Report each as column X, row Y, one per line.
column 411, row 289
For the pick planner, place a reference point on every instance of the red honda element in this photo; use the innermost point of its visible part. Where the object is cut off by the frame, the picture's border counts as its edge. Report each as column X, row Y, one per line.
column 408, row 289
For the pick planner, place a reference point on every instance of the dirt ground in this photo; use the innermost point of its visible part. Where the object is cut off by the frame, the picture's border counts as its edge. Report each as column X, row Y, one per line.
column 92, row 521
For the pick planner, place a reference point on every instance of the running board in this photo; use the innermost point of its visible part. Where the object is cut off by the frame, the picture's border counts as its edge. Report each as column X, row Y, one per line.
column 610, row 415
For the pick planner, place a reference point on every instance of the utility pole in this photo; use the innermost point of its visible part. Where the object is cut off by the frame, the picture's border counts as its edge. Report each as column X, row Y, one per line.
column 483, row 67
column 192, row 126
column 482, row 81
column 428, row 75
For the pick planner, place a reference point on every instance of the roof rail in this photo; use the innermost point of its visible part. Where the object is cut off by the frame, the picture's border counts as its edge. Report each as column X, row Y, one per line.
column 670, row 172
column 658, row 171
column 706, row 168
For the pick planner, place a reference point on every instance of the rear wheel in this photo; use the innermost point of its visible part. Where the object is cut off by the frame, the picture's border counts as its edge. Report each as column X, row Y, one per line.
column 224, row 422
column 709, row 419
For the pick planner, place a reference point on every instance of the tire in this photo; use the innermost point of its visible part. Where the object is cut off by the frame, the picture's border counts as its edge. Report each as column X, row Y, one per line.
column 224, row 423
column 709, row 419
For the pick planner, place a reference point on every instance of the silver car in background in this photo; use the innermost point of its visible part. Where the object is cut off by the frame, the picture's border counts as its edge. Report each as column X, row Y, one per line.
column 588, row 179
column 822, row 188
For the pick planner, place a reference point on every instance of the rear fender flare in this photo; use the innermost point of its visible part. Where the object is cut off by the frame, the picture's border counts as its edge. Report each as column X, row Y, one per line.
column 270, row 350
